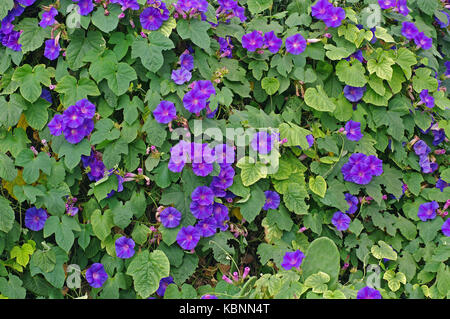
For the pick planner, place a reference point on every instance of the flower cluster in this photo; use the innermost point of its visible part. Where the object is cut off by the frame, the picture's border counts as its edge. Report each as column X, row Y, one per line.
column 410, row 32
column 236, row 278
column 197, row 98
column 324, row 10
column 35, row 218
column 360, row 168
column 399, row 6
column 154, row 16
column 422, row 150
column 189, row 8
column 183, row 74
column 257, row 41
column 8, row 36
column 76, row 122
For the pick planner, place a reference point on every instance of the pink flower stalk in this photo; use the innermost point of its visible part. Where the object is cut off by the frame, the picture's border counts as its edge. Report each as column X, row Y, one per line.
column 228, row 280
column 246, row 272
column 235, row 276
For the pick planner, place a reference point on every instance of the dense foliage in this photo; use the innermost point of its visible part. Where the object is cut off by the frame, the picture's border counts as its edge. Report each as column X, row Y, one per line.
column 224, row 149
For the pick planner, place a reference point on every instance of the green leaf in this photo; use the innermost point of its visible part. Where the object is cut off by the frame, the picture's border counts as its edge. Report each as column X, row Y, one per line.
column 295, row 135
column 258, row 67
column 351, row 73
column 32, row 165
column 5, row 6
column 62, row 230
column 106, row 23
column 196, row 30
column 8, row 171
column 381, row 66
column 322, row 255
column 318, row 282
column 251, row 208
column 294, row 198
column 251, row 171
column 102, row 224
column 30, row 79
column 383, row 250
column 81, row 44
column 74, row 91
column 12, row 110
column 12, row 288
column 406, row 227
column 37, row 115
column 406, row 59
column 318, row 185
column 270, row 85
column 394, row 279
column 33, row 35
column 422, row 80
column 122, row 215
column 45, row 260
column 22, row 254
column 147, row 269
column 73, row 152
column 318, row 99
column 257, row 6
column 382, row 33
column 151, row 52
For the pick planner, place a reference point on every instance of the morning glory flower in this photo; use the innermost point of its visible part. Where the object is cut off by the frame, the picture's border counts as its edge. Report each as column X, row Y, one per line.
column 165, row 112
column 207, row 227
column 163, row 283
column 181, row 76
column 427, row 166
column 48, row 18
column 204, row 89
column 402, row 7
column 353, row 202
column 35, row 218
column 72, row 117
column 387, row 4
column 409, row 30
column 421, row 148
column 441, row 184
column 446, row 228
column 368, row 293
column 292, row 259
column 225, row 178
column 295, row 44
column 151, row 19
column 124, row 247
column 86, row 7
column 56, row 125
column 11, row 41
column 374, row 164
column 52, row 49
column 422, row 41
column 353, row 131
column 170, row 217
column 85, row 108
column 252, row 41
column 334, row 17
column 96, row 275
column 438, row 136
column 74, row 135
column 200, row 211
column 272, row 200
column 202, row 169
column 427, row 211
column 354, row 94
column 203, row 195
column 272, row 41
column 361, row 174
column 193, row 101
column 427, row 99
column 320, row 9
column 262, row 142
column 188, row 237
column 187, row 61
column 341, row 221
column 46, row 95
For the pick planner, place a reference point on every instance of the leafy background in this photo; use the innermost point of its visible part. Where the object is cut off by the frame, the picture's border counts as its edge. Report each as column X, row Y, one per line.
column 125, row 75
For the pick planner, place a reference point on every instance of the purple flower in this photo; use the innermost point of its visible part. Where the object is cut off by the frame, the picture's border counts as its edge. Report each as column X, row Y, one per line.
column 86, row 7
column 446, row 228
column 204, row 88
column 176, row 167
column 402, row 7
column 262, row 142
column 421, row 148
column 170, row 217
column 353, row 130
column 341, row 221
column 427, row 211
column 207, row 296
column 374, row 165
column 52, row 49
column 427, row 166
column 203, row 195
column 334, row 17
column 441, row 184
column 74, row 135
column 292, row 259
column 353, row 202
column 295, row 44
column 187, row 61
column 226, row 47
column 207, row 227
column 26, row 3
column 200, row 211
column 72, row 117
column 181, row 76
column 224, row 179
column 422, row 41
column 188, row 237
column 272, row 41
column 272, row 200
column 427, row 99
column 56, row 125
column 48, row 17
column 438, row 136
column 368, row 293
column 35, row 218
column 220, row 214
column 252, row 41
column 321, row 9
column 357, row 158
column 354, row 94
column 124, row 247
column 387, row 4
column 202, row 169
column 85, row 108
column 151, row 19
column 11, row 41
column 361, row 174
column 409, row 30
column 96, row 275
column 165, row 112
column 310, row 140
column 193, row 101
column 163, row 283
column 443, row 24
